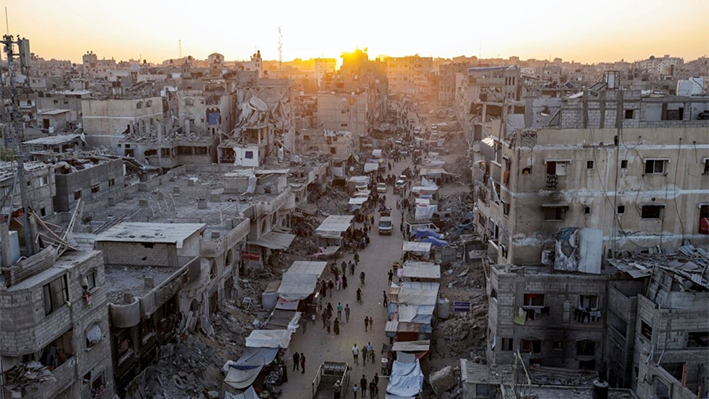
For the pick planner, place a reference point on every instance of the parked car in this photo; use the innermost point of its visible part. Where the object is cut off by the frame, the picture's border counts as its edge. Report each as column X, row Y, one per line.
column 381, row 187
column 399, row 185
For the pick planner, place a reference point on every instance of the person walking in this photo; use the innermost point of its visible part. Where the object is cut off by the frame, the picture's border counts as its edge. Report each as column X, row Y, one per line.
column 344, row 282
column 375, row 379
column 390, row 273
column 373, row 390
column 344, row 268
column 296, row 361
column 352, row 267
column 355, row 389
column 339, row 310
column 371, row 323
column 364, row 355
column 324, row 318
column 337, row 390
column 347, row 313
column 330, row 286
column 336, row 329
column 386, row 300
column 338, row 284
column 363, row 384
column 370, row 350
column 302, row 363
column 356, row 260
column 355, row 353
column 366, row 323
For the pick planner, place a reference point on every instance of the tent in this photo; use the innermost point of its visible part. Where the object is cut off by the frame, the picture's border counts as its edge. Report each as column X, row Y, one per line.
column 297, row 286
column 240, row 379
column 248, row 394
column 252, row 357
column 269, row 339
column 371, row 167
column 406, row 379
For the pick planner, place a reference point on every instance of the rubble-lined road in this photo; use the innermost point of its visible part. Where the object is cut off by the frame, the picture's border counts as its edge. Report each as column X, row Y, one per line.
column 319, row 346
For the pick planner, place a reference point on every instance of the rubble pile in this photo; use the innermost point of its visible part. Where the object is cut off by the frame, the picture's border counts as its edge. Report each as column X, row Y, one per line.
column 192, row 368
column 460, row 275
column 332, row 202
column 457, row 209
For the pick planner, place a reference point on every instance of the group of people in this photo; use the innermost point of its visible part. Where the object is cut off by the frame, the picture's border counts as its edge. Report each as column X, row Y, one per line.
column 367, row 352
column 363, row 387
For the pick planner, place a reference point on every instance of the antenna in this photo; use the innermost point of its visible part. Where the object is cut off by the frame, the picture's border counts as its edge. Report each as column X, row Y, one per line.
column 179, row 43
column 280, row 48
column 7, row 21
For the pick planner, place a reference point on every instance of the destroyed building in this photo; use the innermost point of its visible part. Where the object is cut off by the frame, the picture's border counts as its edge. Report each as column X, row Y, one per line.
column 105, row 121
column 53, row 312
column 264, row 124
column 658, row 324
column 40, row 184
column 617, row 161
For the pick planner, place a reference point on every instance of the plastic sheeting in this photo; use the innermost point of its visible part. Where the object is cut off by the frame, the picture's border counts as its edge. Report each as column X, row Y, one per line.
column 268, row 339
column 420, row 233
column 248, row 394
column 297, row 286
column 94, row 334
column 252, row 357
column 406, row 379
column 425, row 212
column 435, row 242
column 371, row 167
column 240, row 379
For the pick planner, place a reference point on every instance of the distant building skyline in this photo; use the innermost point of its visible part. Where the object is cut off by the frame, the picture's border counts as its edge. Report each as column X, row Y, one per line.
column 632, row 30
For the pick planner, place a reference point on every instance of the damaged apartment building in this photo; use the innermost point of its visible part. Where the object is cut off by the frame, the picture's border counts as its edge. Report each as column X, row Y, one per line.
column 264, row 125
column 53, row 308
column 174, row 248
column 566, row 187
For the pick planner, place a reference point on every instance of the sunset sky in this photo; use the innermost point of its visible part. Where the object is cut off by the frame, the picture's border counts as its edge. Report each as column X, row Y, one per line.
column 586, row 31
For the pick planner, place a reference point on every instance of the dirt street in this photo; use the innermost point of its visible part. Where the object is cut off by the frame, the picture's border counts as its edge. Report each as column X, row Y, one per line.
column 318, row 346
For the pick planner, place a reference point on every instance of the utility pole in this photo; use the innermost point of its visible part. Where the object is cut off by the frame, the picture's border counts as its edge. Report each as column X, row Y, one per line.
column 23, row 46
column 280, row 49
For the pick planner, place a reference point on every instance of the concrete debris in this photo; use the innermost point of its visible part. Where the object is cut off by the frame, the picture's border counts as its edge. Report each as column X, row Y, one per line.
column 442, row 380
column 192, row 367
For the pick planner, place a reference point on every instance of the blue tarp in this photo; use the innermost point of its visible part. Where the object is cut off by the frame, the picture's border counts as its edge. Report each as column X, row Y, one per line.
column 435, row 242
column 420, row 233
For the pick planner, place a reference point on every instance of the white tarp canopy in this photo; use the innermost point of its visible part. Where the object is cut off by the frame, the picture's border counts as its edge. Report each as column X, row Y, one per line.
column 413, row 246
column 280, row 319
column 371, row 167
column 268, row 339
column 433, row 173
column 424, row 189
column 415, row 313
column 273, row 240
column 240, row 379
column 425, row 212
column 296, row 286
column 418, row 296
column 357, row 201
column 421, row 270
column 377, row 153
column 307, row 267
column 406, row 379
column 248, row 394
column 335, row 224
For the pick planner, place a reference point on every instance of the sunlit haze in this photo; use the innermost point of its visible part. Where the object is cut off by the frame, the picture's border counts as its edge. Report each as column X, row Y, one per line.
column 573, row 30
